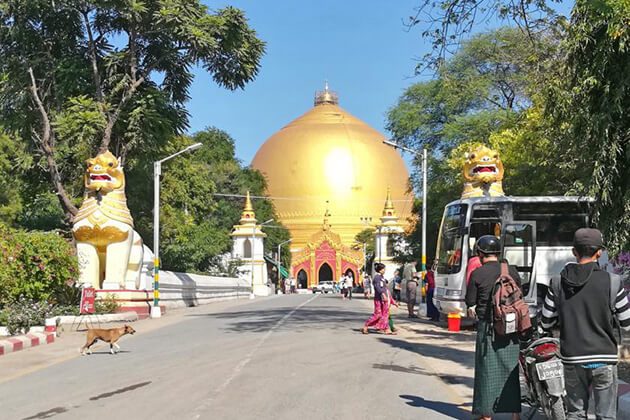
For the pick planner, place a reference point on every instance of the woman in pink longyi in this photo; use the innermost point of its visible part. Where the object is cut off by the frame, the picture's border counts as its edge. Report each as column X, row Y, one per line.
column 379, row 318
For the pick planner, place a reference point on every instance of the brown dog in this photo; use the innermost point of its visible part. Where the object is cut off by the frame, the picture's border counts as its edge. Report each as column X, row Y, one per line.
column 111, row 336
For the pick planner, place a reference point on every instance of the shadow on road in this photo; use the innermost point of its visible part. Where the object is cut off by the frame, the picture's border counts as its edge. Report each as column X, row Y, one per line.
column 463, row 357
column 305, row 319
column 429, row 332
column 446, row 409
column 448, row 378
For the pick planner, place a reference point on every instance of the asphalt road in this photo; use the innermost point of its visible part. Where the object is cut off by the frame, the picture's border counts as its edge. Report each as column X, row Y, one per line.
column 283, row 357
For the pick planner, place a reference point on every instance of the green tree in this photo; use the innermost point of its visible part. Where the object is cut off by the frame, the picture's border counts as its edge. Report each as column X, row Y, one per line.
column 590, row 103
column 79, row 75
column 198, row 203
column 480, row 90
column 446, row 23
column 488, row 93
column 365, row 240
column 13, row 161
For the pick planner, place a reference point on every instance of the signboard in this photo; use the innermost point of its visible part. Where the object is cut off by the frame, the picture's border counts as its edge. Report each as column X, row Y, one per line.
column 88, row 294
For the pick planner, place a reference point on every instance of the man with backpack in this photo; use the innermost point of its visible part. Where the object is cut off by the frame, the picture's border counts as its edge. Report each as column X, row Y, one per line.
column 588, row 303
column 493, row 288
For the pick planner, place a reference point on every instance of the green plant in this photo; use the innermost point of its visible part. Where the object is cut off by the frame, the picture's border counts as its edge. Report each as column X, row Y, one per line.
column 25, row 313
column 4, row 317
column 108, row 305
column 40, row 266
column 61, row 310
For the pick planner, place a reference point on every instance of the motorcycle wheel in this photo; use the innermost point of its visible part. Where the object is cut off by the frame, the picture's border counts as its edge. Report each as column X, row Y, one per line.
column 553, row 407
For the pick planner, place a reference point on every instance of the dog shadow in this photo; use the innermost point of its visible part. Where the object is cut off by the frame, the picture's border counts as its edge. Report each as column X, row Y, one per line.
column 106, row 352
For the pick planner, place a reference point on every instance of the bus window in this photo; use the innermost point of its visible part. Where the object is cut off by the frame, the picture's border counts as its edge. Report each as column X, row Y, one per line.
column 479, row 229
column 555, row 222
column 451, row 239
column 519, row 250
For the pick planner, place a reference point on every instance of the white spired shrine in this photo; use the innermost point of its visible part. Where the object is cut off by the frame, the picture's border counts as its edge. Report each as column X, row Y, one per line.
column 388, row 235
column 248, row 247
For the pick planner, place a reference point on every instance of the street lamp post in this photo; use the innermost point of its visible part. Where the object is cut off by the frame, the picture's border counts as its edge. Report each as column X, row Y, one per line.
column 157, row 171
column 251, row 294
column 424, row 198
column 280, row 260
column 280, row 249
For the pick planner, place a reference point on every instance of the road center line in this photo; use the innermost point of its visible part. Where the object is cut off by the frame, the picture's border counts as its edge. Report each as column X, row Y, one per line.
column 239, row 367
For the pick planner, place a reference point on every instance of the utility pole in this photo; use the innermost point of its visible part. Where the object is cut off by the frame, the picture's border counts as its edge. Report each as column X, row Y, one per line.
column 157, row 171
column 253, row 247
column 424, row 213
column 280, row 260
column 424, row 198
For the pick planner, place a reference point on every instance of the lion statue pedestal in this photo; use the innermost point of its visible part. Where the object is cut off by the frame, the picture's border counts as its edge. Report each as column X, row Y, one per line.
column 109, row 250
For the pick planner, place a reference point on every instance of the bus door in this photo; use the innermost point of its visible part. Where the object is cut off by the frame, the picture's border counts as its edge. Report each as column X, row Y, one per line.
column 519, row 249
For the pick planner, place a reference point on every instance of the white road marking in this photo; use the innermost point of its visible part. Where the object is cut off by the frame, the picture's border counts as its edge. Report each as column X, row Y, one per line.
column 239, row 367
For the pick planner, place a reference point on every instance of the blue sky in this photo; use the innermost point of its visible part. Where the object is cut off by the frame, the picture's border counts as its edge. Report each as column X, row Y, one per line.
column 360, row 46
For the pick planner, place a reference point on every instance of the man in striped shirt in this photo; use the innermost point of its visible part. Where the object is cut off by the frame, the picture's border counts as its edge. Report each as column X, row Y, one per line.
column 587, row 303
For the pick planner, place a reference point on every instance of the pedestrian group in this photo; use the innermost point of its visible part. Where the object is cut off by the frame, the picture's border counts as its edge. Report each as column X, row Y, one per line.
column 588, row 304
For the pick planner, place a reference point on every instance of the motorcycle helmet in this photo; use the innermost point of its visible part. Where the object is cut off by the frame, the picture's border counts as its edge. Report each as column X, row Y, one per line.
column 488, row 245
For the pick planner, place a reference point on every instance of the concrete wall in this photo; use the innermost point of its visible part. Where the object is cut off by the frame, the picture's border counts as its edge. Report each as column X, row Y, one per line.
column 182, row 289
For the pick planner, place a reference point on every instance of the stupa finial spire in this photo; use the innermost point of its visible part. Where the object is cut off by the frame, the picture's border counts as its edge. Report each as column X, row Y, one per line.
column 248, row 203
column 389, row 210
column 326, row 96
column 248, row 214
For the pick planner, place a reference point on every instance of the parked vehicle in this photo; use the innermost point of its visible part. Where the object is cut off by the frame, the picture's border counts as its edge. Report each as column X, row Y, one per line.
column 544, row 377
column 324, row 287
column 536, row 234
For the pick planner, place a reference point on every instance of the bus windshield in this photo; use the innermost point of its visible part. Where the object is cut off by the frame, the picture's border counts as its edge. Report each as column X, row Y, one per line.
column 451, row 239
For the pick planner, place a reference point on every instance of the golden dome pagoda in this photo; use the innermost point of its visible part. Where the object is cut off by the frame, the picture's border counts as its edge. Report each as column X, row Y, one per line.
column 330, row 162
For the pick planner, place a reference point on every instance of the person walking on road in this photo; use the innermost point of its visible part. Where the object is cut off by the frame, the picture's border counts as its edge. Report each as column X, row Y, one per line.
column 379, row 318
column 344, row 288
column 390, row 319
column 587, row 302
column 409, row 276
column 397, row 286
column 367, row 286
column 496, row 386
column 432, row 311
column 348, row 282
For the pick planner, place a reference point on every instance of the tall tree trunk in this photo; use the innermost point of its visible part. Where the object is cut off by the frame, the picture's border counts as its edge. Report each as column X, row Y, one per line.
column 45, row 143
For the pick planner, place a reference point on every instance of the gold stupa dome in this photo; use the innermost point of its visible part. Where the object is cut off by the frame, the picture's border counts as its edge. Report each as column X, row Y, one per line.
column 330, row 162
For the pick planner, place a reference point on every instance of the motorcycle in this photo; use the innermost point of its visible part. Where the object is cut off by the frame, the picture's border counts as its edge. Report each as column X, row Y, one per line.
column 544, row 377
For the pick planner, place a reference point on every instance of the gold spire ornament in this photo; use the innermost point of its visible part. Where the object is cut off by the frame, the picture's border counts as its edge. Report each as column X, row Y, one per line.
column 389, row 209
column 389, row 219
column 247, row 225
column 248, row 216
column 326, row 96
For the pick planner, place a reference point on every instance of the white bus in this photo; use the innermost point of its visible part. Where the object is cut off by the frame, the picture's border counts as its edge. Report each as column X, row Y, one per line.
column 536, row 234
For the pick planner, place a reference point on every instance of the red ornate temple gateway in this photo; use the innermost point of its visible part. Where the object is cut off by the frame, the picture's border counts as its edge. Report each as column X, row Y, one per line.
column 325, row 258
